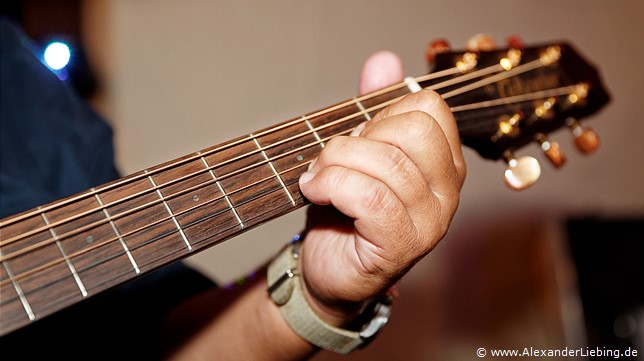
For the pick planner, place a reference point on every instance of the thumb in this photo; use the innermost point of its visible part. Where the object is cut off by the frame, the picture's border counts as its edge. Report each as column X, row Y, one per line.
column 380, row 70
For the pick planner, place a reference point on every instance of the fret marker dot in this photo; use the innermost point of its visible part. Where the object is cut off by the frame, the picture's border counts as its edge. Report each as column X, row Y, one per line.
column 300, row 158
column 89, row 239
column 195, row 198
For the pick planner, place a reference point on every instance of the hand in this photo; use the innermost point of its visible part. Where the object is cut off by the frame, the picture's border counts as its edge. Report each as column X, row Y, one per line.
column 383, row 199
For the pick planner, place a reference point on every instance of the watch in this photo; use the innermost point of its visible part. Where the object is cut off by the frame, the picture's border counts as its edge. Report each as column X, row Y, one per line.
column 285, row 289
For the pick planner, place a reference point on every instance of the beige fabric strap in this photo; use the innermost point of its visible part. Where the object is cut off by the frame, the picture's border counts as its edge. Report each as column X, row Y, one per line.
column 286, row 290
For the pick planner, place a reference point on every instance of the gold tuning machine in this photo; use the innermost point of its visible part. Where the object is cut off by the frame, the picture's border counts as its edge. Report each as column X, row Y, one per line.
column 586, row 139
column 544, row 110
column 508, row 126
column 552, row 150
column 521, row 173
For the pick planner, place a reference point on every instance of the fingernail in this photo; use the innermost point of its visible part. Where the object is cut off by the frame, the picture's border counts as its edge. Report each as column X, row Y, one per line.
column 312, row 164
column 306, row 177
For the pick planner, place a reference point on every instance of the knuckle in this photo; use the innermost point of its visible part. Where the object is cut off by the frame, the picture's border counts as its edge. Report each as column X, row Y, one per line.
column 334, row 149
column 334, row 177
column 394, row 160
column 431, row 98
column 461, row 169
column 448, row 206
column 419, row 126
column 432, row 103
column 377, row 198
column 334, row 142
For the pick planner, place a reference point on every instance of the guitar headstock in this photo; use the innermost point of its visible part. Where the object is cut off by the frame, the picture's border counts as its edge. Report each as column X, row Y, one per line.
column 507, row 98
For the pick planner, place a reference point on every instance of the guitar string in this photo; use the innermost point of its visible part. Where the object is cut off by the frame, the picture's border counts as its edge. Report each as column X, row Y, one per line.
column 446, row 72
column 166, row 184
column 165, row 198
column 162, row 167
column 140, row 245
column 93, row 192
column 191, row 175
column 559, row 91
column 504, row 101
column 95, row 224
column 471, row 107
column 97, row 286
column 107, row 281
column 198, row 155
column 71, row 295
column 161, row 220
column 145, row 243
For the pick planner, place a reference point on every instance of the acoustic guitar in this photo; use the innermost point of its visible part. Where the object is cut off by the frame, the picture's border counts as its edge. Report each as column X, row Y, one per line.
column 61, row 253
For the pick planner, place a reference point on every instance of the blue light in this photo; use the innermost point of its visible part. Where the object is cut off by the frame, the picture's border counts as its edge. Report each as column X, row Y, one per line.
column 57, row 55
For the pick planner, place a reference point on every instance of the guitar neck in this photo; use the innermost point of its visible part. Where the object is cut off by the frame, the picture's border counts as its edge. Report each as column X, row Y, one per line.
column 61, row 253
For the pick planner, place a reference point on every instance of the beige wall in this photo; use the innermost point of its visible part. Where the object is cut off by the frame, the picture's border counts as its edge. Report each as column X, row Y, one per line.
column 183, row 75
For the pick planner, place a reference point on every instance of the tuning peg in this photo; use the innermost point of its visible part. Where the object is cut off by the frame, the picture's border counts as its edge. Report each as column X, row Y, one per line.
column 586, row 139
column 515, row 42
column 544, row 110
column 437, row 46
column 481, row 42
column 552, row 150
column 550, row 55
column 508, row 126
column 467, row 62
column 521, row 173
column 579, row 95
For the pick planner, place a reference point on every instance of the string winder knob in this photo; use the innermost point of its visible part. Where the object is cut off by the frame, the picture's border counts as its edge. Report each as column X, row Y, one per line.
column 515, row 42
column 481, row 42
column 521, row 173
column 552, row 150
column 512, row 58
column 586, row 139
column 544, row 110
column 437, row 46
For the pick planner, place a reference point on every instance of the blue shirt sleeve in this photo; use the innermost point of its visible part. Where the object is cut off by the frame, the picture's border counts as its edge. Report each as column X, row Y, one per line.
column 52, row 145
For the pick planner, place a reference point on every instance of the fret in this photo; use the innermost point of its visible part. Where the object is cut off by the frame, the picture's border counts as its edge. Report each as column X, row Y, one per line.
column 221, row 189
column 289, row 147
column 198, row 202
column 34, row 263
column 88, row 237
column 362, row 109
column 19, row 292
column 167, row 207
column 144, row 224
column 244, row 174
column 315, row 133
column 116, row 232
column 375, row 103
column 341, row 120
column 80, row 284
column 270, row 164
column 186, row 186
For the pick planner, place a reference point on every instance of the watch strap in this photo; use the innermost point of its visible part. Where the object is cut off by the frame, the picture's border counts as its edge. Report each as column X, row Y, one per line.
column 286, row 291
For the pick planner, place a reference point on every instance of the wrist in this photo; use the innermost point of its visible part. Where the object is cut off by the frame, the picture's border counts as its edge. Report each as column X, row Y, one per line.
column 334, row 313
column 286, row 289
